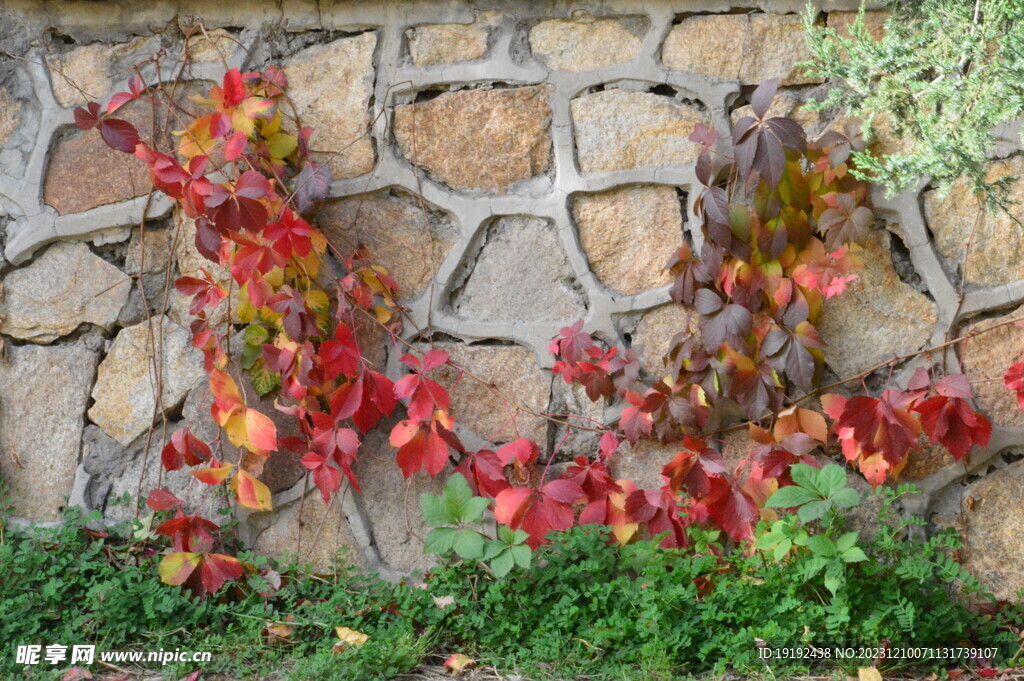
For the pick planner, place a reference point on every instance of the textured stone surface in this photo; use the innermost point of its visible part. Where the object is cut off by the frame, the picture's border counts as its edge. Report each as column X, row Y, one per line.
column 877, row 317
column 405, row 236
column 526, row 251
column 10, row 115
column 586, row 43
column 628, row 235
column 873, row 21
column 125, row 384
column 997, row 251
column 929, row 458
column 212, row 45
column 618, row 130
column 64, row 287
column 446, row 43
column 149, row 252
column 191, row 263
column 90, row 72
column 311, row 531
column 993, row 527
column 750, row 48
column 43, row 394
column 654, row 333
column 986, row 357
column 641, row 463
column 483, row 140
column 392, row 503
column 337, row 106
column 514, row 371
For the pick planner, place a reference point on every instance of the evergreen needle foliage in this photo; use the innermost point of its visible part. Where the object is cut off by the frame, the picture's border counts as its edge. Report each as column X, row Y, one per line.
column 947, row 73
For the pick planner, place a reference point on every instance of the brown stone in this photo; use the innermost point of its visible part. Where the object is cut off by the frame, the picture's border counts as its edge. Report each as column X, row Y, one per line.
column 484, row 140
column 43, row 395
column 63, row 288
column 628, row 234
column 514, row 372
column 308, row 531
column 10, row 115
column 432, row 44
column 404, row 235
column 618, row 130
column 331, row 86
column 655, row 331
column 521, row 274
column 641, row 463
column 149, row 252
column 124, row 397
column 91, row 72
column 993, row 525
column 191, row 263
column 878, row 317
column 997, row 248
column 212, row 46
column 751, row 48
column 986, row 357
column 874, row 22
column 584, row 43
column 927, row 459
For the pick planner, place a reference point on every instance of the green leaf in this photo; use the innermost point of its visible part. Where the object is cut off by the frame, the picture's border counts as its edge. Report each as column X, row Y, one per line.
column 503, row 563
column 522, row 555
column 854, row 555
column 820, row 545
column 456, row 497
column 846, row 498
column 790, row 496
column 782, row 549
column 256, row 335
column 264, row 381
column 474, row 509
column 250, row 355
column 831, row 480
column 441, row 540
column 435, row 512
column 469, row 544
column 493, row 548
column 846, row 541
column 813, row 510
column 505, row 534
column 806, row 476
column 835, row 576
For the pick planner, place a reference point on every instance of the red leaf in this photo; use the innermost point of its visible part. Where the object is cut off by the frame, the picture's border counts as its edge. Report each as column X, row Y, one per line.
column 119, row 134
column 184, row 448
column 538, row 512
column 234, row 89
column 162, row 500
column 523, row 450
column 485, row 473
column 951, row 422
column 89, row 117
column 1014, row 380
column 217, row 569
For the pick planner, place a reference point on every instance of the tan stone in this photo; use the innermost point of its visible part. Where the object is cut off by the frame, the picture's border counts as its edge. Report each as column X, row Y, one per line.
column 446, row 43
column 213, row 46
column 404, row 235
column 191, row 263
column 126, row 383
column 332, row 86
column 628, row 234
column 514, row 372
column 585, row 43
column 997, row 249
column 655, row 331
column 618, row 130
column 986, row 357
column 641, row 463
column 309, row 532
column 148, row 252
column 484, row 140
column 91, row 72
column 10, row 116
column 877, row 318
column 874, row 22
column 751, row 48
column 64, row 287
column 521, row 274
column 993, row 525
column 927, row 459
column 43, row 395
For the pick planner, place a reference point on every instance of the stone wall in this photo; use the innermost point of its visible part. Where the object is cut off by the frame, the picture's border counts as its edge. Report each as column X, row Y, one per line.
column 548, row 141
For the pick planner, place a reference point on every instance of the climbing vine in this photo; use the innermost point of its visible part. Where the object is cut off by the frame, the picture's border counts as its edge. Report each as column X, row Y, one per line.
column 781, row 221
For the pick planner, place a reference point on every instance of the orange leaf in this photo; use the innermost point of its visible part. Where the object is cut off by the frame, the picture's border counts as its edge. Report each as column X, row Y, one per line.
column 213, row 475
column 251, row 492
column 261, row 431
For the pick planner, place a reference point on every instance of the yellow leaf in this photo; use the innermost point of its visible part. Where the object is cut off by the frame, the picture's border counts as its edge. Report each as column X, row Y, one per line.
column 459, row 663
column 348, row 638
column 278, row 633
column 236, row 430
column 271, row 127
column 868, row 674
column 176, row 568
column 318, row 301
column 281, row 145
column 251, row 492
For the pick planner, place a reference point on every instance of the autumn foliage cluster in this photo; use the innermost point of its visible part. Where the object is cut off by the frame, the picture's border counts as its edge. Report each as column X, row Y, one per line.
column 781, row 220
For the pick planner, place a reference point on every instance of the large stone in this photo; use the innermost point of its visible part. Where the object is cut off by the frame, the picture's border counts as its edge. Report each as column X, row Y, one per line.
column 64, row 287
column 484, row 140
column 521, row 274
column 629, row 234
column 513, row 371
column 997, row 249
column 751, row 48
column 619, row 130
column 331, row 87
column 432, row 44
column 126, row 384
column 148, row 252
column 43, row 395
column 655, row 331
column 308, row 531
column 986, row 356
column 91, row 72
column 404, row 235
column 874, row 22
column 585, row 43
column 992, row 530
column 641, row 463
column 392, row 503
column 877, row 317
column 191, row 263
